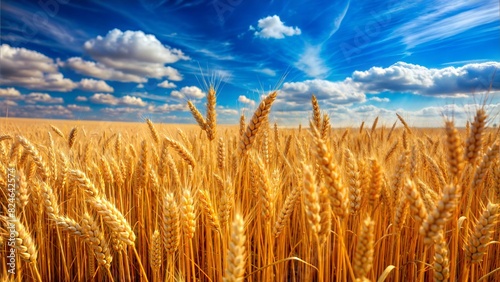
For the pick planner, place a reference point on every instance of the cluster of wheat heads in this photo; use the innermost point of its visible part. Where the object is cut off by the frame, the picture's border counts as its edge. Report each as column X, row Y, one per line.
column 151, row 202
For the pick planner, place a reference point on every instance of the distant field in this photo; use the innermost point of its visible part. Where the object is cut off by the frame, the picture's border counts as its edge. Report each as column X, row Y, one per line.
column 250, row 202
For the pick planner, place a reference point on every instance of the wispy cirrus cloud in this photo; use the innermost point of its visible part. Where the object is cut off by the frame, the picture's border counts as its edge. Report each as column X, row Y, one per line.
column 444, row 20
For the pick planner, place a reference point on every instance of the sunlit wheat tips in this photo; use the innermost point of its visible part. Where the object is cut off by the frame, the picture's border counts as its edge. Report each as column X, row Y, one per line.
column 211, row 121
column 254, row 124
column 474, row 142
column 72, row 137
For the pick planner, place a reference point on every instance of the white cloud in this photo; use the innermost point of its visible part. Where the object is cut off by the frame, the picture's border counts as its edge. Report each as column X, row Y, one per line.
column 433, row 26
column 36, row 97
column 7, row 103
column 166, row 84
column 344, row 92
column 10, row 93
column 445, row 82
column 165, row 108
column 41, row 111
column 133, row 101
column 311, row 62
column 273, row 27
column 227, row 111
column 380, row 100
column 93, row 85
column 131, row 46
column 129, row 56
column 188, row 92
column 82, row 98
column 31, row 69
column 100, row 71
column 245, row 100
column 108, row 99
column 140, row 85
column 77, row 108
column 267, row 71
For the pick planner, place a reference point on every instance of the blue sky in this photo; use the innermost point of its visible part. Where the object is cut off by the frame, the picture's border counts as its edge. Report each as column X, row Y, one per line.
column 107, row 60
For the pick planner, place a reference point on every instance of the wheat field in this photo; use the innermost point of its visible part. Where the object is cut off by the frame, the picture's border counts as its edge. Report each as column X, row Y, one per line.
column 104, row 201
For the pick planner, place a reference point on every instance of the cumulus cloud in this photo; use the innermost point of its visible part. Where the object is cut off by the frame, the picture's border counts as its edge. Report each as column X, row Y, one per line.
column 108, row 99
column 9, row 93
column 188, row 92
column 380, row 100
column 227, row 111
column 41, row 111
column 7, row 103
column 131, row 46
column 344, row 92
column 273, row 27
column 245, row 100
column 81, row 99
column 130, row 56
column 32, row 98
column 166, row 84
column 77, row 108
column 100, row 71
column 31, row 69
column 93, row 85
column 166, row 108
column 445, row 82
column 36, row 97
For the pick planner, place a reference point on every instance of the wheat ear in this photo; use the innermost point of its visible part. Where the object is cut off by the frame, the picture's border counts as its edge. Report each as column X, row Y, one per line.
column 363, row 258
column 155, row 251
column 208, row 210
column 483, row 230
column 236, row 253
column 182, row 151
column 211, row 114
column 310, row 196
column 441, row 214
column 188, row 216
column 257, row 120
column 197, row 116
column 72, row 137
column 316, row 112
column 332, row 178
column 114, row 219
column 441, row 259
column 474, row 142
column 153, row 131
column 286, row 210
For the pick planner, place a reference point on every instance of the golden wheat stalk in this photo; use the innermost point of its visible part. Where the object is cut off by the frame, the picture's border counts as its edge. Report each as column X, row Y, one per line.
column 153, row 131
column 236, row 253
column 182, row 151
column 170, row 224
column 260, row 114
column 197, row 116
column 363, row 257
column 483, row 230
column 331, row 175
column 211, row 127
column 474, row 142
